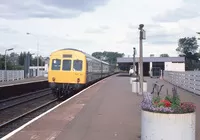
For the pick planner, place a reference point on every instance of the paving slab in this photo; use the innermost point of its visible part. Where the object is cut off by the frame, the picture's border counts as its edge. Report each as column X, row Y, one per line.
column 107, row 111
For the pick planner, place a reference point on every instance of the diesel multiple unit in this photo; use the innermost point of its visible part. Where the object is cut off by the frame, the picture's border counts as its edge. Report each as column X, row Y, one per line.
column 70, row 69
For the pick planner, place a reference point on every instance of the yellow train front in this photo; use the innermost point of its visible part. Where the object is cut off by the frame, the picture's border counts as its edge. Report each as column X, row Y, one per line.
column 70, row 69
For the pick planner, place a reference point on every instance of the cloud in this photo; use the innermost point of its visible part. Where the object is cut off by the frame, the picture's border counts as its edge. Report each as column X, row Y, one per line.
column 155, row 34
column 5, row 29
column 92, row 26
column 80, row 5
column 97, row 30
column 158, row 34
column 94, row 30
column 104, row 27
column 188, row 10
column 21, row 9
column 162, row 39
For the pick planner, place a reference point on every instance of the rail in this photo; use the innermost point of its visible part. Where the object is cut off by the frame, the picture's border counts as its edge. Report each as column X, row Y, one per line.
column 187, row 80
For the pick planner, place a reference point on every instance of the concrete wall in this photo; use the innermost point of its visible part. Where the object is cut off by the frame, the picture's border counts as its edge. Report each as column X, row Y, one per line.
column 169, row 66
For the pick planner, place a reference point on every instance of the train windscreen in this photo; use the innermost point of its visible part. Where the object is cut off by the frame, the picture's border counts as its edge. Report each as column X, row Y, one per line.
column 77, row 65
column 66, row 65
column 56, row 64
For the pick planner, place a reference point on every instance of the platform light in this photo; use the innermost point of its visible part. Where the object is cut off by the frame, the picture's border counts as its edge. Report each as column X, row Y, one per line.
column 37, row 51
column 142, row 36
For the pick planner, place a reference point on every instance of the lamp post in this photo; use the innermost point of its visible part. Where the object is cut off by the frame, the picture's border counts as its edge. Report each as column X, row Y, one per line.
column 29, row 63
column 141, row 37
column 37, row 52
column 133, row 60
column 5, row 65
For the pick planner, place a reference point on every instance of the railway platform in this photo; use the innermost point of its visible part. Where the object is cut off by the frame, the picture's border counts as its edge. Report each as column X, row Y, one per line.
column 23, row 81
column 108, row 110
column 18, row 87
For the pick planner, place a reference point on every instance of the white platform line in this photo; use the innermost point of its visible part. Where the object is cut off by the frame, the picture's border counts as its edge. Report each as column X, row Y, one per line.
column 41, row 115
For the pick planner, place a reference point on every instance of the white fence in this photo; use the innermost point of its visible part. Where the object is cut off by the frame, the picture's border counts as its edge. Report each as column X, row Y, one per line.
column 11, row 75
column 188, row 80
column 17, row 75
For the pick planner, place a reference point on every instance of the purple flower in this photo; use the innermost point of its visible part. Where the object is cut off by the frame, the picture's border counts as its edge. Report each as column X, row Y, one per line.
column 147, row 104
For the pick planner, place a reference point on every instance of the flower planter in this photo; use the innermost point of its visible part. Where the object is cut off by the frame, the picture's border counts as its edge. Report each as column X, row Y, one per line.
column 132, row 79
column 136, row 86
column 162, row 126
column 167, row 118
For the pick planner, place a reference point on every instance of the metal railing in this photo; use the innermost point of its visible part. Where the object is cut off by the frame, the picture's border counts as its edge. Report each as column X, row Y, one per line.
column 13, row 75
column 188, row 80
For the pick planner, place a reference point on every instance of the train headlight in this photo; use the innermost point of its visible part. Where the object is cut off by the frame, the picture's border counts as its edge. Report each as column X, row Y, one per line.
column 53, row 79
column 78, row 80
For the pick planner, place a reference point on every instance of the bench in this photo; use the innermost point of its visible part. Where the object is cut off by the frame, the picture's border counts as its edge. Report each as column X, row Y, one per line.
column 158, row 88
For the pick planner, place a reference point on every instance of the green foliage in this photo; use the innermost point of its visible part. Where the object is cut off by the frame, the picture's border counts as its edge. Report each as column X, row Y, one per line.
column 34, row 62
column 164, row 55
column 97, row 55
column 110, row 57
column 16, row 61
column 169, row 98
column 156, row 99
column 174, row 100
column 187, row 47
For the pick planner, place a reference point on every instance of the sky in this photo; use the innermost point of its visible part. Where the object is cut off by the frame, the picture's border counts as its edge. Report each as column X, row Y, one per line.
column 97, row 25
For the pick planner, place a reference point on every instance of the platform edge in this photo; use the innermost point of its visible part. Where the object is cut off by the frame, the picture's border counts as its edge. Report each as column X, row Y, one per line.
column 48, row 111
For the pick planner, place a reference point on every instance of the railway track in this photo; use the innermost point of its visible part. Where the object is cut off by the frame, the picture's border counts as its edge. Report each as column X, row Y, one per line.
column 8, row 103
column 25, row 111
column 16, row 111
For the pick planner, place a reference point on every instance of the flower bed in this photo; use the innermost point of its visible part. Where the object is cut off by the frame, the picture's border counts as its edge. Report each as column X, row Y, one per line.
column 167, row 118
column 170, row 104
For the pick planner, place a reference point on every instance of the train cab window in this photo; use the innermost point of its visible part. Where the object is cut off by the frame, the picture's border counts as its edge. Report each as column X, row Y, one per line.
column 77, row 65
column 55, row 64
column 66, row 65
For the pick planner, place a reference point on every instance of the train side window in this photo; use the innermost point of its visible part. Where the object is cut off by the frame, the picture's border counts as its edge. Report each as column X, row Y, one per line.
column 78, row 65
column 66, row 65
column 56, row 64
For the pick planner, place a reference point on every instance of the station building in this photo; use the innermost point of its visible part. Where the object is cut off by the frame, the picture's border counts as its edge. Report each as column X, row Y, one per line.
column 164, row 63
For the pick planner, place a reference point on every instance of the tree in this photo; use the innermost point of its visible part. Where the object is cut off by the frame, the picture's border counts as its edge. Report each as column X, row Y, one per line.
column 187, row 47
column 14, row 58
column 97, row 55
column 9, row 63
column 16, row 61
column 34, row 61
column 164, row 55
column 21, row 58
column 110, row 57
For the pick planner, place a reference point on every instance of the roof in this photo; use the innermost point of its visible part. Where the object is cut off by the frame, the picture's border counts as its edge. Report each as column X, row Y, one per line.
column 151, row 59
column 87, row 55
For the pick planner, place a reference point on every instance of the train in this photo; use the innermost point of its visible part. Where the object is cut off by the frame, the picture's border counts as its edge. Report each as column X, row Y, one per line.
column 71, row 69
